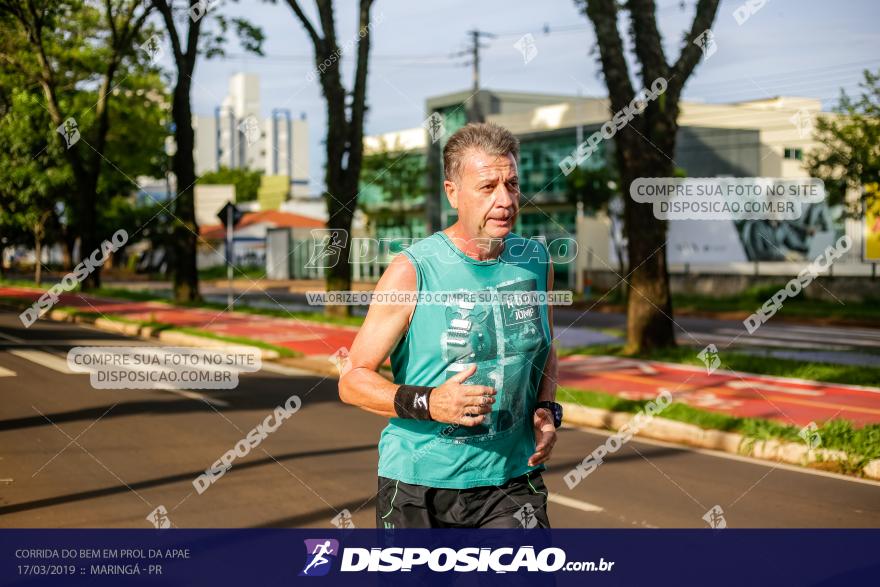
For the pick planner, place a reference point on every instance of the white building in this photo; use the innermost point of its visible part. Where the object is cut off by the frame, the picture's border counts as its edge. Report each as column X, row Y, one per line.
column 239, row 136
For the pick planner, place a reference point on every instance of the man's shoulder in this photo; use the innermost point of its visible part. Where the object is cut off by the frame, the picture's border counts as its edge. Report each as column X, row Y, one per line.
column 424, row 247
column 527, row 248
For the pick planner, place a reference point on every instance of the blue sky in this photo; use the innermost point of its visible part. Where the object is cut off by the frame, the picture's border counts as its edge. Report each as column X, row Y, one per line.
column 788, row 47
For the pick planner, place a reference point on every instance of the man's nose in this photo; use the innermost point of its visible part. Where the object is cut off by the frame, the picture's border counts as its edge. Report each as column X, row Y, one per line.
column 503, row 196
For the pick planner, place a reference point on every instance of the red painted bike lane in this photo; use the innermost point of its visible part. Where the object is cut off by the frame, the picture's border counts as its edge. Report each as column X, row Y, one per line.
column 790, row 401
column 309, row 338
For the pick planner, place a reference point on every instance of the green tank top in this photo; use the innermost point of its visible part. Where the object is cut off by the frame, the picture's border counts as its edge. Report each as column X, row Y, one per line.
column 508, row 339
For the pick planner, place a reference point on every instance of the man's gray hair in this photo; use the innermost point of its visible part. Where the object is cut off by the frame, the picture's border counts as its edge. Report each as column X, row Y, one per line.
column 487, row 137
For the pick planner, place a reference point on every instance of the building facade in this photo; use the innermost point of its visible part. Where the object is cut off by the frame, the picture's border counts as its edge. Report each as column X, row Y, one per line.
column 760, row 138
column 237, row 135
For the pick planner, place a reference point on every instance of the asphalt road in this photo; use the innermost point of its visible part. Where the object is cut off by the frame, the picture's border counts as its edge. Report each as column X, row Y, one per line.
column 74, row 456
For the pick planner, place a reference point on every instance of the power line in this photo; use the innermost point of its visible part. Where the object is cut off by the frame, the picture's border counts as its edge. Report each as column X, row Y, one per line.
column 796, row 73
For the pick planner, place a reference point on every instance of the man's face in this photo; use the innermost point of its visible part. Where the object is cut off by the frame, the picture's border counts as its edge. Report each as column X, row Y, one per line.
column 486, row 194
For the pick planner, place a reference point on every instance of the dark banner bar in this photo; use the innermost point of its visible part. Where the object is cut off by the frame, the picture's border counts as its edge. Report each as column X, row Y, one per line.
column 439, row 557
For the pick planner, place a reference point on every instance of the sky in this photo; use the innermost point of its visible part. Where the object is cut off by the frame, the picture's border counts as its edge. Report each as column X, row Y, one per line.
column 785, row 47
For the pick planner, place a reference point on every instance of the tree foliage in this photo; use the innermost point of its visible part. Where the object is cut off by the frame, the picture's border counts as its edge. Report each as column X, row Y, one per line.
column 82, row 62
column 246, row 181
column 42, row 187
column 849, row 155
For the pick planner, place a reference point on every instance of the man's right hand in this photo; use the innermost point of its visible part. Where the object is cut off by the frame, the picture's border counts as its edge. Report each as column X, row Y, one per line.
column 456, row 403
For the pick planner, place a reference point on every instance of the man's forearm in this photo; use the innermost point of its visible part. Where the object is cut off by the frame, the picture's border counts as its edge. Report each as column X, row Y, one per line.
column 547, row 389
column 369, row 390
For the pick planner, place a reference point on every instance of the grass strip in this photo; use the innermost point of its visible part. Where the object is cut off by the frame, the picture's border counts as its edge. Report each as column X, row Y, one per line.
column 862, row 444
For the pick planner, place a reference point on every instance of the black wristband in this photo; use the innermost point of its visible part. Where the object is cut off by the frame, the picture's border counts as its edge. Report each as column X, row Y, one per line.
column 413, row 402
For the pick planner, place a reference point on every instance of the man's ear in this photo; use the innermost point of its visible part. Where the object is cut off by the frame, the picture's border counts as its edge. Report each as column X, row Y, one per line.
column 451, row 193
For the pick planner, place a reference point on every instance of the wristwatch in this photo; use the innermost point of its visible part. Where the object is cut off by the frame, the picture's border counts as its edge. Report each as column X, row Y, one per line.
column 555, row 409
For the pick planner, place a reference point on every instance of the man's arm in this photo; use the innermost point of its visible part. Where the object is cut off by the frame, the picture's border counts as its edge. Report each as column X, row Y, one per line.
column 360, row 383
column 545, row 431
column 547, row 389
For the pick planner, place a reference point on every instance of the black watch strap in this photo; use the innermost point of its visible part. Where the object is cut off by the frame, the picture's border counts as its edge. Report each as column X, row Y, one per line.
column 555, row 409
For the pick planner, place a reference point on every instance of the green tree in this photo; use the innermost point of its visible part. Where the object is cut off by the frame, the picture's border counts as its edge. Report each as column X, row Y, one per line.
column 345, row 129
column 399, row 176
column 35, row 176
column 206, row 29
column 36, row 194
column 645, row 147
column 246, row 182
column 849, row 156
column 64, row 47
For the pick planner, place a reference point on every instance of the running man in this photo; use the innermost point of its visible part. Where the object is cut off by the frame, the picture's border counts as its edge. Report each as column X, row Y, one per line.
column 472, row 409
column 319, row 552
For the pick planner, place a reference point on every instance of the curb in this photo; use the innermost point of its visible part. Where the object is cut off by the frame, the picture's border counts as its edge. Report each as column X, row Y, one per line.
column 175, row 338
column 730, row 442
column 149, row 333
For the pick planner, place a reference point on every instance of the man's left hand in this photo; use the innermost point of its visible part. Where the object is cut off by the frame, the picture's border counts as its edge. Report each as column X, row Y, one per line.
column 545, row 436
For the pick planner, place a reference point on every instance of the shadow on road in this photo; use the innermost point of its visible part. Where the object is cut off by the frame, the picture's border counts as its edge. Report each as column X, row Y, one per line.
column 261, row 393
column 187, row 476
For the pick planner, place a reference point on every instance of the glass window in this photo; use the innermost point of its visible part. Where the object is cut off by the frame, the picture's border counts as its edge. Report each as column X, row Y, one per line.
column 794, row 154
column 539, row 162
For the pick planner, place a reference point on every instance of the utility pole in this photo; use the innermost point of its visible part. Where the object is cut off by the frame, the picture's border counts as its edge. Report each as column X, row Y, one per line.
column 475, row 114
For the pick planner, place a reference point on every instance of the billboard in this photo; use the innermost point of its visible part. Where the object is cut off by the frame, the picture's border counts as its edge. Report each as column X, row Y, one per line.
column 871, row 224
column 727, row 241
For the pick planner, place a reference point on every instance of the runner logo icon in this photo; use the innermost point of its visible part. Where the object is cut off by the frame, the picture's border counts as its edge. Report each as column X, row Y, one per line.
column 320, row 554
column 421, row 401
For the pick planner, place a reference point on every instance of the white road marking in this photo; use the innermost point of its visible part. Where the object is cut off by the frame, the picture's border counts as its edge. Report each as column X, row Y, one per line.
column 573, row 503
column 283, row 370
column 44, row 359
column 56, row 363
column 823, row 331
column 740, row 384
column 4, row 372
column 822, row 341
column 189, row 394
column 760, row 341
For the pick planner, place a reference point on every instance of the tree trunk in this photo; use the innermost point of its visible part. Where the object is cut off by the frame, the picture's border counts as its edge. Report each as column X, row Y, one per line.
column 38, row 253
column 338, row 275
column 89, row 238
column 649, row 302
column 186, row 276
column 645, row 147
column 344, row 135
column 69, row 246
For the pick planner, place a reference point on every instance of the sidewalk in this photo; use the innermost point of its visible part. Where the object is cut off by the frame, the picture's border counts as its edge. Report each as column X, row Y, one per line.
column 789, row 401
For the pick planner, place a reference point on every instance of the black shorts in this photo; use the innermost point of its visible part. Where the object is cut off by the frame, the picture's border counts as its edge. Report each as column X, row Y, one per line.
column 518, row 503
